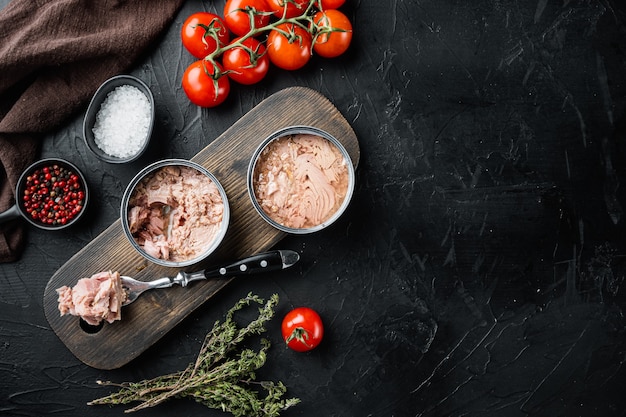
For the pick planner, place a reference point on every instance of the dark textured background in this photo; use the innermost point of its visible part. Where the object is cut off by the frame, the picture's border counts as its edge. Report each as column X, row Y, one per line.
column 479, row 269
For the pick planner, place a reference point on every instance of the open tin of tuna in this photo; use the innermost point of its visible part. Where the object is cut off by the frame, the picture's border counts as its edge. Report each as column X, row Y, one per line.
column 175, row 212
column 300, row 179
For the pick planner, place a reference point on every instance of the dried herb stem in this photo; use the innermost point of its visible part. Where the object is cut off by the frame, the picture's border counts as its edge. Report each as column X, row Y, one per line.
column 219, row 378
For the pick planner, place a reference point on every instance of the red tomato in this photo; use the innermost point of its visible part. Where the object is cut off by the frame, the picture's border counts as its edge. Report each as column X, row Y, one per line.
column 237, row 15
column 330, row 4
column 289, row 46
column 246, row 64
column 302, row 329
column 203, row 86
column 203, row 33
column 293, row 8
column 334, row 33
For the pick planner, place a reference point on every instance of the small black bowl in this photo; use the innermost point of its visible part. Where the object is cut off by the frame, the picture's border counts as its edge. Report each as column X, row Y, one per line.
column 26, row 181
column 94, row 107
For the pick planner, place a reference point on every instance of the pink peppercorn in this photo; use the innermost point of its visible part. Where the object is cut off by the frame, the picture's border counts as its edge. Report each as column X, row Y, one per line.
column 53, row 195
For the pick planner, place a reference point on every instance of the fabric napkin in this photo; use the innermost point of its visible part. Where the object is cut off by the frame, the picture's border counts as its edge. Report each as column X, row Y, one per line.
column 53, row 56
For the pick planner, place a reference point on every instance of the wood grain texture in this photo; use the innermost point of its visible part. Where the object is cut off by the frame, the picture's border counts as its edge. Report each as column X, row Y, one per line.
column 156, row 312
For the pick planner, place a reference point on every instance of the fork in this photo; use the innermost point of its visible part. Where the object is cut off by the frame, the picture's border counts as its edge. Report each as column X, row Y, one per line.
column 261, row 262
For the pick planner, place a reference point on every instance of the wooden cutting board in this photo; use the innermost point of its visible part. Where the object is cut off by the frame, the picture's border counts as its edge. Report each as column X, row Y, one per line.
column 156, row 312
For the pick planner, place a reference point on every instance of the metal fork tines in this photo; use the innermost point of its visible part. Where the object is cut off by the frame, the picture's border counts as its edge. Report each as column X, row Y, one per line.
column 134, row 288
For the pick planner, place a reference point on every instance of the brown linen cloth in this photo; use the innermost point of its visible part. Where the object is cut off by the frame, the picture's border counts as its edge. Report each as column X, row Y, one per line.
column 53, row 56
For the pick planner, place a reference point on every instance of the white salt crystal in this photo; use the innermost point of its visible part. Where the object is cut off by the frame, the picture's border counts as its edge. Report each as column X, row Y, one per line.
column 122, row 123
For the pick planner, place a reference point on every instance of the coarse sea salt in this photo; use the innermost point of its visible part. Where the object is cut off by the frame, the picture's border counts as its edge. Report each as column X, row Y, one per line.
column 123, row 121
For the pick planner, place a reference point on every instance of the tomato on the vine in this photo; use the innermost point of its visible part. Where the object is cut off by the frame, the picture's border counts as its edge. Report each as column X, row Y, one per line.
column 237, row 15
column 302, row 329
column 247, row 64
column 203, row 33
column 289, row 46
column 293, row 7
column 205, row 85
column 330, row 4
column 336, row 42
column 299, row 29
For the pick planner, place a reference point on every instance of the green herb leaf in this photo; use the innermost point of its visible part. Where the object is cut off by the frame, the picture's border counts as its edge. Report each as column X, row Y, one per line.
column 220, row 378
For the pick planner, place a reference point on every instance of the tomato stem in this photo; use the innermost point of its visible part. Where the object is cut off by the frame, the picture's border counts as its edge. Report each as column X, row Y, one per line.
column 300, row 334
column 211, row 30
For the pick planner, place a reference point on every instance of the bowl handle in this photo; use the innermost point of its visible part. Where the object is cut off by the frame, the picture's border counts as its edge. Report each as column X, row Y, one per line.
column 11, row 214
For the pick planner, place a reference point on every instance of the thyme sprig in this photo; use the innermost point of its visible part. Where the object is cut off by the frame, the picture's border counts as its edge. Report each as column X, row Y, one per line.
column 220, row 378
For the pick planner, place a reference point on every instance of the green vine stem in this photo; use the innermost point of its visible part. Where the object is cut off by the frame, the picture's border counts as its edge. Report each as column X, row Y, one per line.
column 305, row 21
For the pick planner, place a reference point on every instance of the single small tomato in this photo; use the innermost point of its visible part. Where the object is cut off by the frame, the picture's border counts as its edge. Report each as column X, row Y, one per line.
column 247, row 64
column 289, row 46
column 288, row 8
column 237, row 15
column 302, row 329
column 205, row 84
column 334, row 33
column 330, row 4
column 203, row 33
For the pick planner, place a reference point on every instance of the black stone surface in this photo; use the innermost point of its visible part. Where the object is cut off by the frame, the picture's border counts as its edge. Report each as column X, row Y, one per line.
column 480, row 268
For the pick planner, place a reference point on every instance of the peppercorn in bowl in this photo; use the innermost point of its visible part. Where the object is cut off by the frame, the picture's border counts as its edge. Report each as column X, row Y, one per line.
column 51, row 194
column 118, row 123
